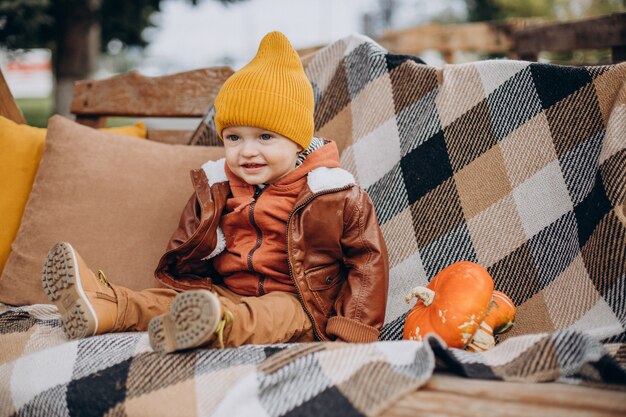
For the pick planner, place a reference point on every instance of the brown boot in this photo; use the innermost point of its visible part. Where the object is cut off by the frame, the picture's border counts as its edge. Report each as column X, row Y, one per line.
column 196, row 318
column 86, row 302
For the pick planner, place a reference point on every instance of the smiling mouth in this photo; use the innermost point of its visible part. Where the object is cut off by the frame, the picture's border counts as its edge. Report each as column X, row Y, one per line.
column 251, row 165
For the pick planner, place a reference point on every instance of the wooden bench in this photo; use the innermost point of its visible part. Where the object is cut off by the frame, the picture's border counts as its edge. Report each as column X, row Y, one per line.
column 190, row 94
column 451, row 395
column 182, row 95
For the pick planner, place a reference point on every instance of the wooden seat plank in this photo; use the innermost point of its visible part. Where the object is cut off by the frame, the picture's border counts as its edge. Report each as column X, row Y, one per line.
column 451, row 395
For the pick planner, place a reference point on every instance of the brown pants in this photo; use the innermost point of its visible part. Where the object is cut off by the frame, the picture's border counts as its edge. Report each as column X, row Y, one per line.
column 277, row 317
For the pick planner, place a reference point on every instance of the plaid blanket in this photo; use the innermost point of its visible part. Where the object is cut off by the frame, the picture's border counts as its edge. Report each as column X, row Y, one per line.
column 41, row 373
column 517, row 166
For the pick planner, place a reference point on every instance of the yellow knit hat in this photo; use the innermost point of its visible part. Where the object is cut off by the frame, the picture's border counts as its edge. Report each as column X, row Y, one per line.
column 271, row 92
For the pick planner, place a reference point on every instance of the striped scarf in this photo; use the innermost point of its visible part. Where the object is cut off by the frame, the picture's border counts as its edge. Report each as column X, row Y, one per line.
column 316, row 143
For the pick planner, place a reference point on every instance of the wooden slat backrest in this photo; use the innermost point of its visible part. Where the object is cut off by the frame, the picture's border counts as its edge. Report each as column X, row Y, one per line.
column 593, row 33
column 518, row 38
column 185, row 94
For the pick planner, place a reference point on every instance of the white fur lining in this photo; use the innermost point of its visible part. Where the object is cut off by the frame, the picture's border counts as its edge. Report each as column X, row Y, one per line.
column 323, row 178
column 215, row 171
column 319, row 179
column 219, row 247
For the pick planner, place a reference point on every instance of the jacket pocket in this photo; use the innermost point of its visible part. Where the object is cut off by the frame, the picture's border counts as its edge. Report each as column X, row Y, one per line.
column 324, row 283
column 323, row 278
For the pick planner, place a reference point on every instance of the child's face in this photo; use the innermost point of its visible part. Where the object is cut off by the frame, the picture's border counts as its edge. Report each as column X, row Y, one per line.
column 259, row 156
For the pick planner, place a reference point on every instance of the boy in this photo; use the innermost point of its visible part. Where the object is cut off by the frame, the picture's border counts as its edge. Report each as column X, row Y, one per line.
column 277, row 244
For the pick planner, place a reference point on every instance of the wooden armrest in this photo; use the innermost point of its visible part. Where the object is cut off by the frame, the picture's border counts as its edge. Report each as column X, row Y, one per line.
column 8, row 106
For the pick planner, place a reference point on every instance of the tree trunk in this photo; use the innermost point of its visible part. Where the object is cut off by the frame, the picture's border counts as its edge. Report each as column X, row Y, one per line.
column 78, row 48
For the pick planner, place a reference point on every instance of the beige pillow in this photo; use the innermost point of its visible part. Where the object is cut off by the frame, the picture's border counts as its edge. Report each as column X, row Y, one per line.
column 22, row 146
column 116, row 199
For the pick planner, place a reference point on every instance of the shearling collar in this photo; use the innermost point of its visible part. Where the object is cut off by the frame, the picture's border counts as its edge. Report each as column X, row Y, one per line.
column 323, row 178
column 320, row 178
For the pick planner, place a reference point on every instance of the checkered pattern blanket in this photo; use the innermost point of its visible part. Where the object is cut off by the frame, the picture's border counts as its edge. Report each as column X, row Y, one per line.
column 517, row 166
column 41, row 373
column 118, row 374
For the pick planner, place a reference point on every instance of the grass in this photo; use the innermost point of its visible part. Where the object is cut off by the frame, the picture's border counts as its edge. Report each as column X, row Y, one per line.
column 120, row 121
column 36, row 110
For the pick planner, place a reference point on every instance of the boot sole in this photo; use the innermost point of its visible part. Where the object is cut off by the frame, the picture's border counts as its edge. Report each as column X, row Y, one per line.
column 61, row 283
column 192, row 321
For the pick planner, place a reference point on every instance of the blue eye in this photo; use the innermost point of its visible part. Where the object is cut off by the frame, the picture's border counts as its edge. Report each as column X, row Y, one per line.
column 266, row 136
column 232, row 138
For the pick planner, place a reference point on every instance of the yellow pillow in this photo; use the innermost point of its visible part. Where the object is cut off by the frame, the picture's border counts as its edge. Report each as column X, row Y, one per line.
column 20, row 151
column 137, row 130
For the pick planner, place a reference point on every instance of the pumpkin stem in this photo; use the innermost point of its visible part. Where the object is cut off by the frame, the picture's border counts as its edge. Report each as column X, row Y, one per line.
column 483, row 339
column 426, row 295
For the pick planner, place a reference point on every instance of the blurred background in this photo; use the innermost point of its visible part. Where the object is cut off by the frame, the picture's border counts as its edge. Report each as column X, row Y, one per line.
column 46, row 45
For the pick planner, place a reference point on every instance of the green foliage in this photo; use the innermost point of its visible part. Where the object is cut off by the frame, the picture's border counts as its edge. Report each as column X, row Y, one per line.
column 484, row 10
column 116, row 25
column 37, row 23
column 25, row 23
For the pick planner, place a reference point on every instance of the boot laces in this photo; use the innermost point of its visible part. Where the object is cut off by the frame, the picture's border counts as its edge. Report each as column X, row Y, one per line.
column 226, row 320
column 103, row 279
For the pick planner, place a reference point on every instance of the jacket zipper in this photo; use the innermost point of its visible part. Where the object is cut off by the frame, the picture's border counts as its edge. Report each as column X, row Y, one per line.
column 295, row 208
column 259, row 238
column 184, row 245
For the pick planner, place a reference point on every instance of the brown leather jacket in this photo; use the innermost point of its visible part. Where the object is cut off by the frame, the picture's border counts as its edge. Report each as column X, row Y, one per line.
column 336, row 253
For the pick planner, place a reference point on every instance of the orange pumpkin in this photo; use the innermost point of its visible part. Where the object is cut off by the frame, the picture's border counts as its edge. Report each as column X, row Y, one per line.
column 499, row 319
column 452, row 305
